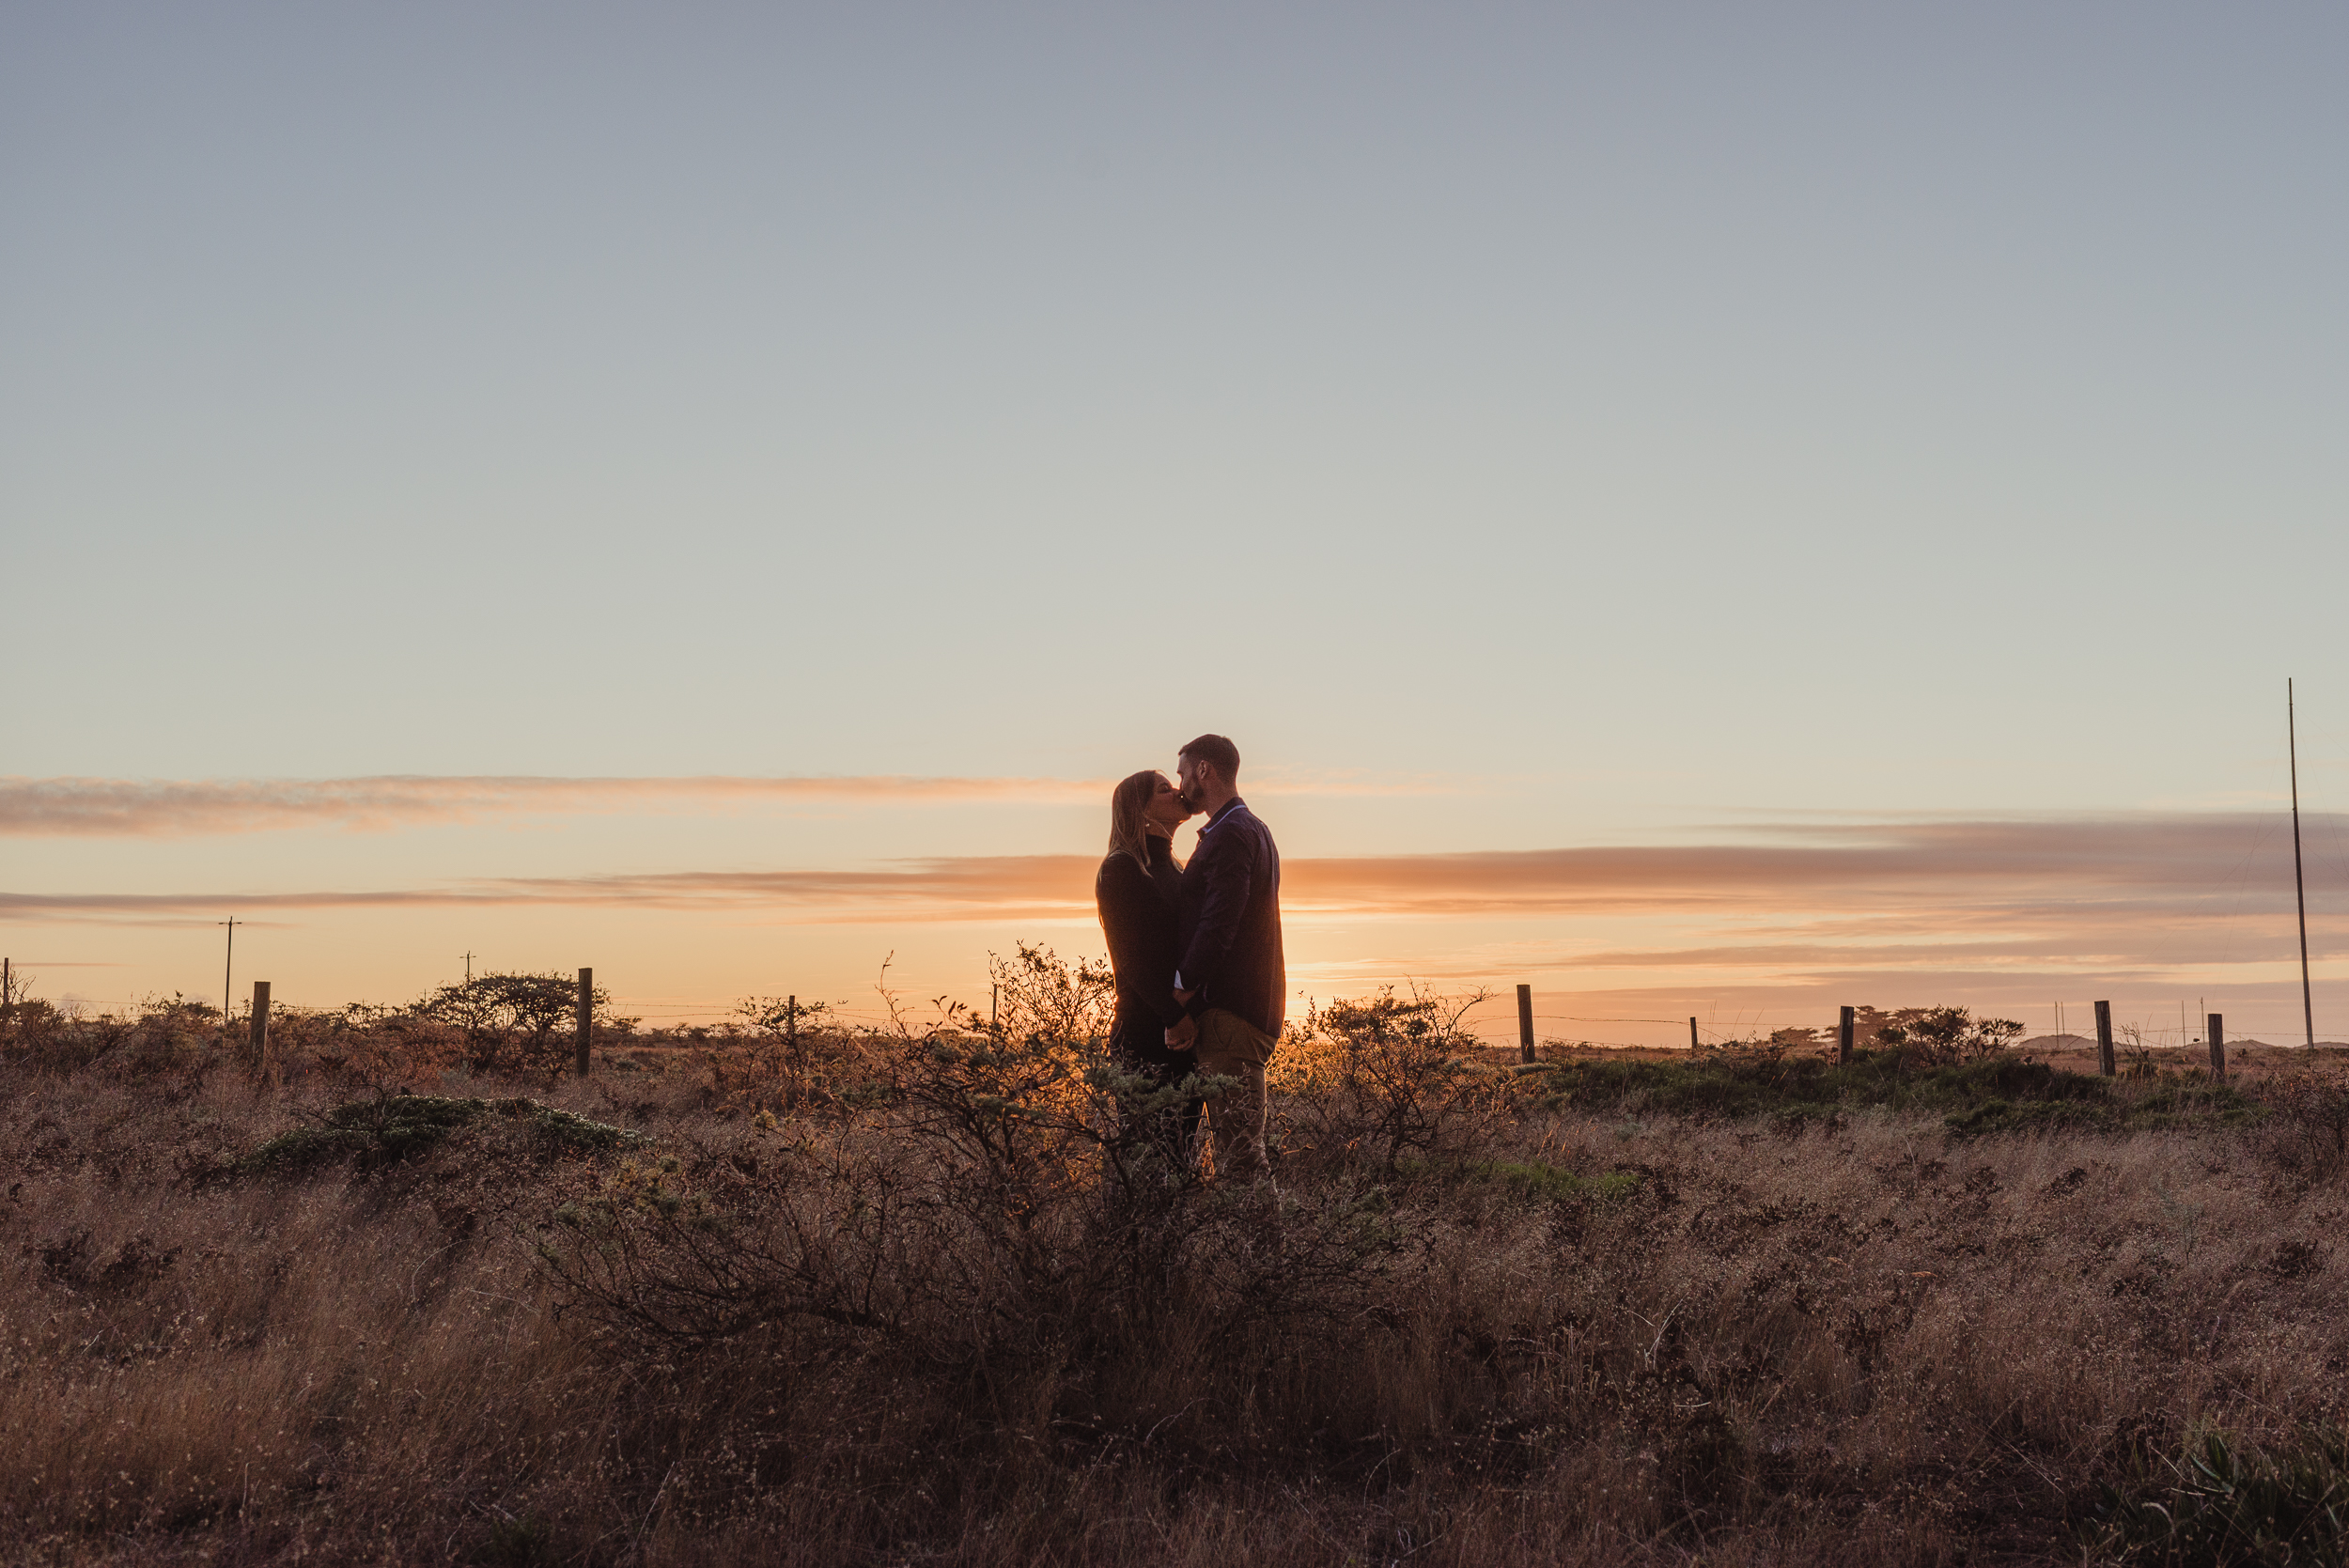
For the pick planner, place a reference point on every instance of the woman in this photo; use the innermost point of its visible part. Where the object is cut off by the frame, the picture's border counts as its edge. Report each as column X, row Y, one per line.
column 1135, row 891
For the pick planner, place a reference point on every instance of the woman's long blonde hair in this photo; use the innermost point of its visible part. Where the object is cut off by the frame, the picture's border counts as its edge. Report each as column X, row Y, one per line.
column 1129, row 834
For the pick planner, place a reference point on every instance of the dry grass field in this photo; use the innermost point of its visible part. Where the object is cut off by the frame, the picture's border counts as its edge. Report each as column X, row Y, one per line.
column 937, row 1295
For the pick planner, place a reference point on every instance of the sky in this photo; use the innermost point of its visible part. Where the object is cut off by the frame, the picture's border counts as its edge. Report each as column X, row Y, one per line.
column 1703, row 510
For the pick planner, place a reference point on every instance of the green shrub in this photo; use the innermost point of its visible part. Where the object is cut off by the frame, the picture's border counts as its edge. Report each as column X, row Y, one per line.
column 381, row 1131
column 2215, row 1505
column 1554, row 1184
column 1986, row 1094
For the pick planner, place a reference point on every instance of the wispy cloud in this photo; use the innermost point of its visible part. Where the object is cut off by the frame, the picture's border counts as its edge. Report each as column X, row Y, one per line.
column 1940, row 873
column 166, row 808
column 133, row 808
column 972, row 887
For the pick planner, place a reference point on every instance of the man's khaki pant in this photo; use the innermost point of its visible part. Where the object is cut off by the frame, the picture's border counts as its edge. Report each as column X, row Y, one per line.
column 1230, row 1046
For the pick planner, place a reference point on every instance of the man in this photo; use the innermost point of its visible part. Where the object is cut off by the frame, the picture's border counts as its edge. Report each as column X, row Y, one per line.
column 1230, row 981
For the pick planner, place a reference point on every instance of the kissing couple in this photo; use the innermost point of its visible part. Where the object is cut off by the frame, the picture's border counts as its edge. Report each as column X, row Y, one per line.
column 1196, row 948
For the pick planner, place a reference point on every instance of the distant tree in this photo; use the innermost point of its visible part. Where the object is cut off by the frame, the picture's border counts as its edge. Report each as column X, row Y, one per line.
column 513, row 1022
column 1938, row 1037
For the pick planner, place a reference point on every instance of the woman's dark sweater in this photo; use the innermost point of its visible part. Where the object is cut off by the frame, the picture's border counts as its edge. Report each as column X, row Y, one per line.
column 1138, row 917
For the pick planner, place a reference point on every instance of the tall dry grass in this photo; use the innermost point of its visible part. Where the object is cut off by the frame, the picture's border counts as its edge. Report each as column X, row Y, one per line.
column 926, row 1307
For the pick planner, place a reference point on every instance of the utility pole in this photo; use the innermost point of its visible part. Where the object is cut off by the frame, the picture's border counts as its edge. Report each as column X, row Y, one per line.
column 227, row 967
column 469, row 966
column 2299, row 883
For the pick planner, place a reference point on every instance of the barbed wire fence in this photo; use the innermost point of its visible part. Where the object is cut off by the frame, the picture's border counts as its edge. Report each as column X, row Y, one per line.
column 674, row 1013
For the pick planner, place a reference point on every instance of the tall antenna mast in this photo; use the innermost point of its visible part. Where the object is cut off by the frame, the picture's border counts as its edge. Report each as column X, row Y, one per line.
column 2299, row 883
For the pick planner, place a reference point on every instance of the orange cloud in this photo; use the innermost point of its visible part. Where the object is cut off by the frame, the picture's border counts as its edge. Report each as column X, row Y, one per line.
column 1992, row 913
column 1894, row 878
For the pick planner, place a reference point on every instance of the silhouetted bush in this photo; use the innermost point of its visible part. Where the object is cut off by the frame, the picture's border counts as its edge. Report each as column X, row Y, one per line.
column 1367, row 1083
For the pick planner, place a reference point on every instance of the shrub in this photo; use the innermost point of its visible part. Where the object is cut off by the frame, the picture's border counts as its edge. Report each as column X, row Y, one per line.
column 792, row 1051
column 160, row 1037
column 1372, row 1081
column 1535, row 1179
column 1038, row 996
column 381, row 1051
column 990, row 1215
column 1989, row 1094
column 2308, row 1130
column 379, row 1131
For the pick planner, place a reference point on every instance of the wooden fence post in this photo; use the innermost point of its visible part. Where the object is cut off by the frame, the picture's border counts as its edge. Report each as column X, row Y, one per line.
column 586, row 1017
column 261, row 1028
column 1693, row 1047
column 2218, row 1048
column 2105, row 1063
column 1843, row 1027
column 1525, row 1023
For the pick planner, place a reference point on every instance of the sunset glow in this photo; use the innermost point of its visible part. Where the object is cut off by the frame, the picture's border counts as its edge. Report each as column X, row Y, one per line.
column 1723, row 520
column 1773, row 924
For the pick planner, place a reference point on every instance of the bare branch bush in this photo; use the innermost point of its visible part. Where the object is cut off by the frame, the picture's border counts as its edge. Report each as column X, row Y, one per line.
column 988, row 1212
column 783, row 1054
column 2307, row 1131
column 1371, row 1082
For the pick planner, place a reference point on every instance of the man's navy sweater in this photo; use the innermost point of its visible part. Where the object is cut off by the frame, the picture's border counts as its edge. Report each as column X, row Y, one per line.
column 1230, row 920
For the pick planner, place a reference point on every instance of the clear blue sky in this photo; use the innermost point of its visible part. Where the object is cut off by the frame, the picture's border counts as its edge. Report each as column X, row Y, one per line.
column 1639, row 416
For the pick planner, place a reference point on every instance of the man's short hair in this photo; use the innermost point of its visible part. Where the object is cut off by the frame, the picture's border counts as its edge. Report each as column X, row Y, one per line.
column 1217, row 753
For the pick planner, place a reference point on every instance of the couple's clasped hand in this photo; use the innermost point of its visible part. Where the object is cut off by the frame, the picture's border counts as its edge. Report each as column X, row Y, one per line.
column 1186, row 1030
